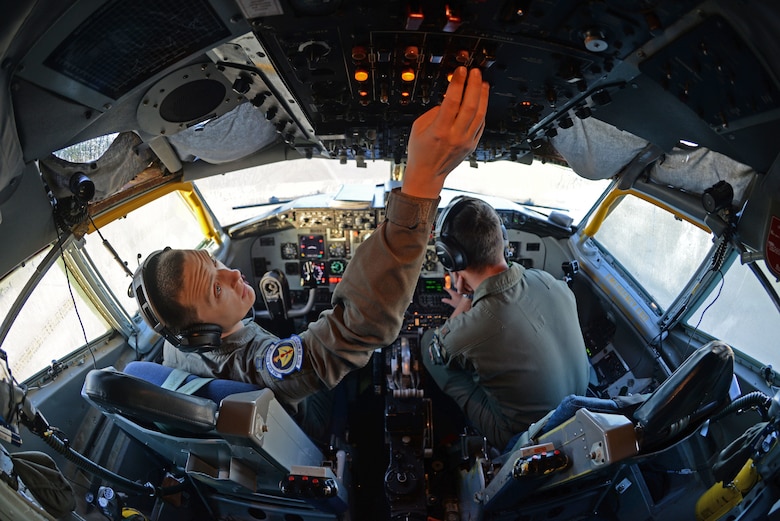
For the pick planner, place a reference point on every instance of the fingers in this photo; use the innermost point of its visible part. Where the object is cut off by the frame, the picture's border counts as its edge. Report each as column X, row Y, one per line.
column 471, row 116
column 465, row 103
column 450, row 105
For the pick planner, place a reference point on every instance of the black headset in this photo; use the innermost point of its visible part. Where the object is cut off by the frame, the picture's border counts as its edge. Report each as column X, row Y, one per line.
column 449, row 251
column 196, row 338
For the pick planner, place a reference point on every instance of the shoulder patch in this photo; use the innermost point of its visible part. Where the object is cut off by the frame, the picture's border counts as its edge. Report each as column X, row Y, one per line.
column 284, row 357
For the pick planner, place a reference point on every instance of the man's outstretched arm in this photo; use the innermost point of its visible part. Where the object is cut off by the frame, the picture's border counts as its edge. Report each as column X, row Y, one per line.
column 370, row 301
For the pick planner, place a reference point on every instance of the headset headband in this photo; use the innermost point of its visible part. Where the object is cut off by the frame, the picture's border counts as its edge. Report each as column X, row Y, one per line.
column 201, row 337
column 449, row 251
column 146, row 307
column 444, row 221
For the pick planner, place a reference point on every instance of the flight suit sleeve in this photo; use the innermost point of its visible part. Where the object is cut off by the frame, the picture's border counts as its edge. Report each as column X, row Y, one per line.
column 369, row 302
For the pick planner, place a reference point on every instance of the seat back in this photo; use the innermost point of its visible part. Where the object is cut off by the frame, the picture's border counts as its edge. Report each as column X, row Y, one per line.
column 228, row 435
column 696, row 390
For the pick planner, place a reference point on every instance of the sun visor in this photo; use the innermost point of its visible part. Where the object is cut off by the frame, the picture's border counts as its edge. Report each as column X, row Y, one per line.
column 596, row 150
column 123, row 160
column 239, row 133
column 10, row 150
column 696, row 170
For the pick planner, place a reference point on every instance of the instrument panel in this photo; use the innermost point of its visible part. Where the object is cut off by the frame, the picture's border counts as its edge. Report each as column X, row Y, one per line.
column 313, row 247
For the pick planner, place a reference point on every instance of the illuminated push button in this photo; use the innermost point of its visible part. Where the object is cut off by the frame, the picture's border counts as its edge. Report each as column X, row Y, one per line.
column 408, row 75
column 359, row 53
column 361, row 75
column 462, row 56
column 412, row 53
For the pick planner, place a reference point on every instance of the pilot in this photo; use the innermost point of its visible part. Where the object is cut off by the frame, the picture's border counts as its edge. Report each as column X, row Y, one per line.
column 186, row 295
column 512, row 348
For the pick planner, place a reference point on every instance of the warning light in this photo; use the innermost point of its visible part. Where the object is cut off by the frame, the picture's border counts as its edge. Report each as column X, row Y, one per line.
column 363, row 93
column 453, row 20
column 408, row 75
column 449, row 76
column 361, row 75
column 414, row 19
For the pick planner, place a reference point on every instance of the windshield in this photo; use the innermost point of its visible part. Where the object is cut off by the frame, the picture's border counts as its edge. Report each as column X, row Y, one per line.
column 240, row 195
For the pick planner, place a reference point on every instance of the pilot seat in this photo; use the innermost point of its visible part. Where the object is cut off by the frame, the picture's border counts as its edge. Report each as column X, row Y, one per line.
column 576, row 454
column 234, row 442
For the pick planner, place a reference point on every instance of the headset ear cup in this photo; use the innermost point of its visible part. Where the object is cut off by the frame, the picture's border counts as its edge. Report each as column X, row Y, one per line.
column 450, row 254
column 201, row 337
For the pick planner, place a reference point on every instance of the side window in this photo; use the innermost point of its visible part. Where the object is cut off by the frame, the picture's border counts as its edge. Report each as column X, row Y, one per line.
column 740, row 312
column 167, row 221
column 660, row 251
column 48, row 327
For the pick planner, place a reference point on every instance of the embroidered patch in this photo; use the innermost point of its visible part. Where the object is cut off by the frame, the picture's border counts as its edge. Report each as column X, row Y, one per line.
column 284, row 357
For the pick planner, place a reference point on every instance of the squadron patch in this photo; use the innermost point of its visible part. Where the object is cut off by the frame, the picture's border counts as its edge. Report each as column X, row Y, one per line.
column 284, row 357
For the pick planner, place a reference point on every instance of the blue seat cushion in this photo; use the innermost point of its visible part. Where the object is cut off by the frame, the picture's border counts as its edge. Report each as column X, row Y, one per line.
column 215, row 390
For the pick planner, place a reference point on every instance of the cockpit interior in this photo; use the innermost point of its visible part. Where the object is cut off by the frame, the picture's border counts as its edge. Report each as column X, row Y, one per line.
column 630, row 150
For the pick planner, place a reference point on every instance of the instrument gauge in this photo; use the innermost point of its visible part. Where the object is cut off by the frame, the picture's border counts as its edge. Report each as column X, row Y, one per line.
column 337, row 267
column 289, row 250
column 337, row 250
column 313, row 274
column 312, row 246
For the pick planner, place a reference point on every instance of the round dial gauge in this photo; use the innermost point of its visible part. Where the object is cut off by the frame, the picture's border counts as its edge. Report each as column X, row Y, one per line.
column 289, row 250
column 337, row 267
column 337, row 250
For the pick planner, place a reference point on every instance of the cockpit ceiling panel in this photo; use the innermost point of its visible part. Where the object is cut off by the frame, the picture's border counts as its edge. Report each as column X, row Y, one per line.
column 126, row 43
column 712, row 70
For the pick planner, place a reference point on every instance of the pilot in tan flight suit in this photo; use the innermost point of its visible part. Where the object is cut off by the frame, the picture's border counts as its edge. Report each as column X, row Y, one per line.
column 188, row 289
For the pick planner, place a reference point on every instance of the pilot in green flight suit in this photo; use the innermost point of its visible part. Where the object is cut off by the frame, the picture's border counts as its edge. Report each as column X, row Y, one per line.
column 512, row 349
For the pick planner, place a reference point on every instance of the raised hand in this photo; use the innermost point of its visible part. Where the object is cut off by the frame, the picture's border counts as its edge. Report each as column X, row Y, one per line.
column 444, row 136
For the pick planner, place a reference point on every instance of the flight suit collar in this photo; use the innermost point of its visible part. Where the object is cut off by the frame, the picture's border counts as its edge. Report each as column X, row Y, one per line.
column 499, row 282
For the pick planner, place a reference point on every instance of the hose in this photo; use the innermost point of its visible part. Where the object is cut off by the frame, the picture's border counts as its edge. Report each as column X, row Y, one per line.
column 752, row 399
column 53, row 441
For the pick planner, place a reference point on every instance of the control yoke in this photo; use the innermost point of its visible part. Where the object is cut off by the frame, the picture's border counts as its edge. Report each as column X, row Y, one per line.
column 275, row 291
